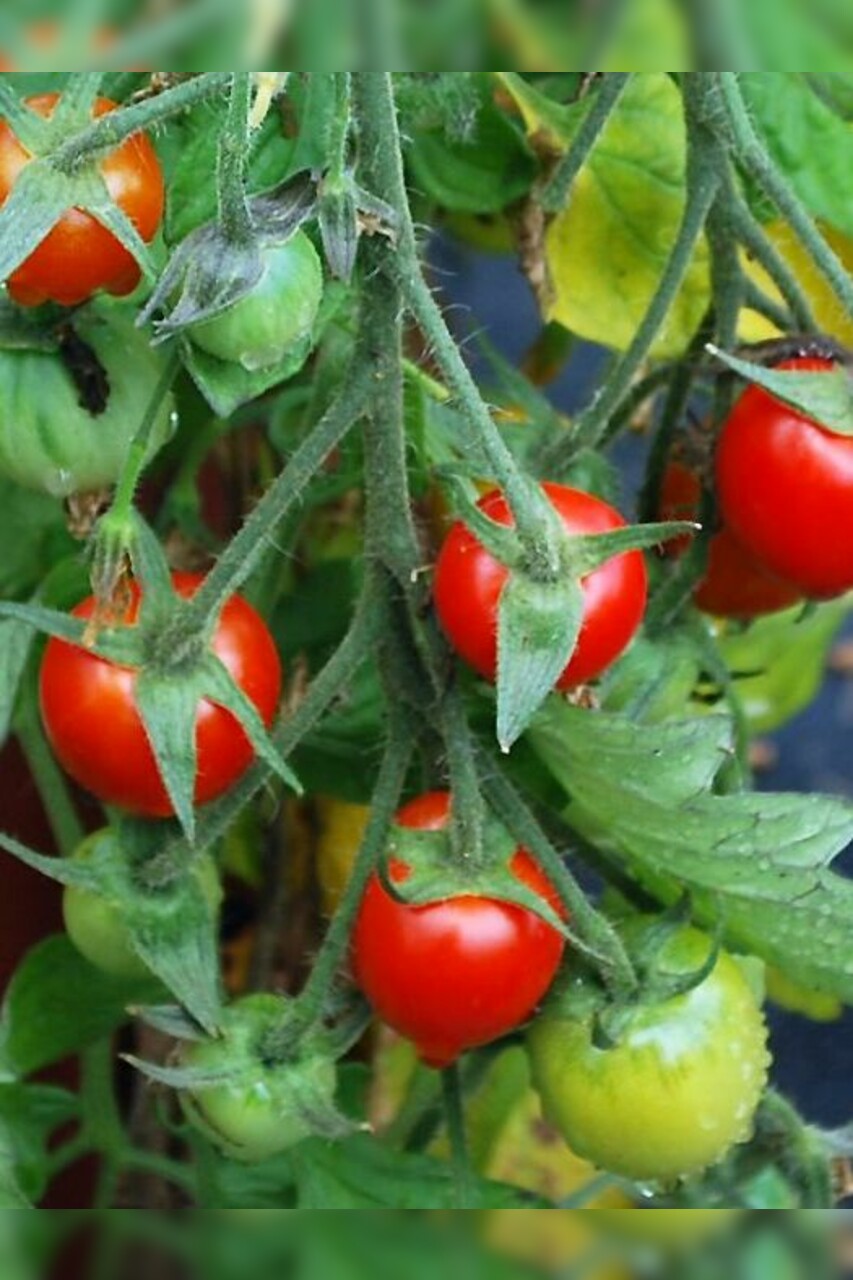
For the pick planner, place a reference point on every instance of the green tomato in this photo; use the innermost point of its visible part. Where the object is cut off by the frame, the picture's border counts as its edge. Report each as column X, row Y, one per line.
column 257, row 1114
column 277, row 315
column 679, row 1088
column 95, row 926
column 52, row 443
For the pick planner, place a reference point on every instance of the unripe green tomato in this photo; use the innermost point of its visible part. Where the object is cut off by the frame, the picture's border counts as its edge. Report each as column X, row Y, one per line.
column 95, row 927
column 48, row 440
column 256, row 1115
column 680, row 1086
column 278, row 313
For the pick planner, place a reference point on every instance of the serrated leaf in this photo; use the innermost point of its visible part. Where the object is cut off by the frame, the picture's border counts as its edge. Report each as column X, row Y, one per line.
column 607, row 249
column 825, row 397
column 547, row 122
column 642, row 794
column 57, row 1004
column 538, row 628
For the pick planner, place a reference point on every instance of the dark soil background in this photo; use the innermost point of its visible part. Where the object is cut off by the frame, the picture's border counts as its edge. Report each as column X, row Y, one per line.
column 814, row 752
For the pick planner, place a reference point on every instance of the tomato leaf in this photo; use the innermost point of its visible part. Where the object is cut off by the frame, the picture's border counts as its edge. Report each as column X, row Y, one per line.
column 643, row 796
column 607, row 249
column 29, row 1115
column 811, row 144
column 538, row 628
column 825, row 397
column 57, row 1004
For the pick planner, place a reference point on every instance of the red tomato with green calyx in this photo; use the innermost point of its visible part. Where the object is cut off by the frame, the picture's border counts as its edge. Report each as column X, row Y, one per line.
column 786, row 489
column 735, row 585
column 79, row 256
column 91, row 718
column 469, row 581
column 459, row 973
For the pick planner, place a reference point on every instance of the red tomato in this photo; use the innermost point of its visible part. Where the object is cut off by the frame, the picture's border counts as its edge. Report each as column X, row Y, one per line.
column 79, row 255
column 469, row 581
column 786, row 490
column 93, row 725
column 734, row 586
column 455, row 974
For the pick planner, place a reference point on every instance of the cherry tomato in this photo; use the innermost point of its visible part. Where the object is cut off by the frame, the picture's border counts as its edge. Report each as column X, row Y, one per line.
column 275, row 317
column 455, row 974
column 469, row 581
column 95, row 729
column 734, row 586
column 78, row 256
column 255, row 1114
column 786, row 489
column 680, row 1086
column 95, row 926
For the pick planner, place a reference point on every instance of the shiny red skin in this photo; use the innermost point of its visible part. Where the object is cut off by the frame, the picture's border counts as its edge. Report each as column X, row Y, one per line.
column 468, row 583
column 734, row 586
column 456, row 974
column 92, row 722
column 79, row 256
column 785, row 488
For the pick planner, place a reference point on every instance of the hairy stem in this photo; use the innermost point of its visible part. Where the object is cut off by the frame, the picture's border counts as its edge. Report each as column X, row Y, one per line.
column 556, row 193
column 233, row 152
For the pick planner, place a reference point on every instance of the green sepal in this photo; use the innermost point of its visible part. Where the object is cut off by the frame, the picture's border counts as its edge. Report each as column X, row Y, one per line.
column 226, row 384
column 436, row 875
column 183, row 1077
column 16, row 641
column 220, row 688
column 170, row 1020
column 337, row 211
column 168, row 705
column 210, row 270
column 151, row 568
column 62, row 870
column 825, row 397
column 33, row 207
column 166, row 903
column 500, row 540
column 589, row 550
column 538, row 628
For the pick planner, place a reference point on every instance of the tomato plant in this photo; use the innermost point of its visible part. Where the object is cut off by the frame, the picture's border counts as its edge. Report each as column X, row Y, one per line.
column 679, row 1085
column 455, row 973
column 469, row 582
column 805, row 489
column 436, row 568
column 93, row 724
column 79, row 256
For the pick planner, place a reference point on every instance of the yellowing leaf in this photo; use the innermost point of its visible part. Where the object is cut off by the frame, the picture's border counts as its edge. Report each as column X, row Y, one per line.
column 607, row 249
column 829, row 313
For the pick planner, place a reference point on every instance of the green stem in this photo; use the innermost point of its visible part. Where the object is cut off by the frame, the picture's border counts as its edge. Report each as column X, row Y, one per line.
column 109, row 130
column 233, row 153
column 593, row 928
column 137, row 454
column 383, row 805
column 758, row 244
column 50, row 780
column 455, row 1118
column 159, row 1167
column 777, row 313
column 702, row 182
column 359, row 642
column 556, row 193
column 727, row 281
column 242, row 554
column 754, row 156
column 468, row 812
column 339, row 128
column 537, row 526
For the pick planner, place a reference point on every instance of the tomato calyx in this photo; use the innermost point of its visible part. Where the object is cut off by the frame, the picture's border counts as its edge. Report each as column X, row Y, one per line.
column 251, row 1060
column 213, row 268
column 824, row 396
column 420, row 867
